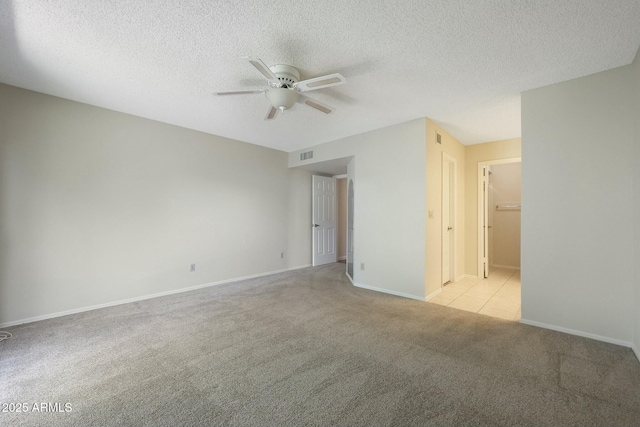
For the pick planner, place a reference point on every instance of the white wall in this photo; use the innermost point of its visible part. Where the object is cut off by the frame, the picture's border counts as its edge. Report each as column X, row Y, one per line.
column 389, row 221
column 577, row 217
column 298, row 251
column 98, row 206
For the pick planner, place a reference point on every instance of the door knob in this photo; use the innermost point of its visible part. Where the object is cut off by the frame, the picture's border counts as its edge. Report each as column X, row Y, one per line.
column 449, row 228
column 316, row 225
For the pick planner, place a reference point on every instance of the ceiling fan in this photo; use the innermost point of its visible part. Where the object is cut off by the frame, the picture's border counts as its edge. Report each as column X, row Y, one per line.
column 285, row 87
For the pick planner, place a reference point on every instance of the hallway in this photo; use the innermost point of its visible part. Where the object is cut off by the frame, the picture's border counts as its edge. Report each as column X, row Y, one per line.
column 496, row 296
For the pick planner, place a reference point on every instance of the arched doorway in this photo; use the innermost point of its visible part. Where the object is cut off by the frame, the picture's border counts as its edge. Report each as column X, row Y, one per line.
column 350, row 199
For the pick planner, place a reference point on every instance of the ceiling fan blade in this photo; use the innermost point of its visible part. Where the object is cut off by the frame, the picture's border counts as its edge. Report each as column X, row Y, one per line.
column 272, row 113
column 320, row 82
column 316, row 104
column 264, row 70
column 240, row 92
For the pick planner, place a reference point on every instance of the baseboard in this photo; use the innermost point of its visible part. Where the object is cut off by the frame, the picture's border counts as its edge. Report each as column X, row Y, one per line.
column 579, row 333
column 470, row 276
column 433, row 294
column 342, row 258
column 508, row 267
column 387, row 291
column 299, row 267
column 142, row 298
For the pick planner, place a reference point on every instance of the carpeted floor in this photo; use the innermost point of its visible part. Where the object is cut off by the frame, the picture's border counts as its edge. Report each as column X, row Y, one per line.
column 307, row 348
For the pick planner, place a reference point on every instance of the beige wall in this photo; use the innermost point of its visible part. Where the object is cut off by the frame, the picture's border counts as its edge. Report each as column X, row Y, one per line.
column 98, row 207
column 433, row 243
column 342, row 218
column 506, row 188
column 474, row 154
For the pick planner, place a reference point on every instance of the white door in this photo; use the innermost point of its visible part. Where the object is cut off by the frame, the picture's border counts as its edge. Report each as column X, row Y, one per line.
column 447, row 221
column 324, row 220
column 485, row 221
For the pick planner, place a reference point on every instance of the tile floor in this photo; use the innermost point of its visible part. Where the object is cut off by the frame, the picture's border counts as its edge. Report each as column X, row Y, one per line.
column 496, row 296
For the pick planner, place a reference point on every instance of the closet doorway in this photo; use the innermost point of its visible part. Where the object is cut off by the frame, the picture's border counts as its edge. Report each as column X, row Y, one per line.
column 499, row 207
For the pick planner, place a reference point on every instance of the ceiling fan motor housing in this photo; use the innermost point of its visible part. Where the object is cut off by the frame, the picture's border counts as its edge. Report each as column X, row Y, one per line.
column 287, row 74
column 284, row 97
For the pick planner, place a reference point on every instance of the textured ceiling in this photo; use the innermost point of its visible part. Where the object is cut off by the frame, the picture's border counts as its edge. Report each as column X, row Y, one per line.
column 461, row 63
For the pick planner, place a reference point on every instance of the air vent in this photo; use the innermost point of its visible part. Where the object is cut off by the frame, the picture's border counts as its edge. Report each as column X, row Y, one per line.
column 306, row 156
column 438, row 138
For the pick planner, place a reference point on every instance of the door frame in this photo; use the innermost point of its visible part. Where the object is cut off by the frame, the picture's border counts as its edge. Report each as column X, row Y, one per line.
column 453, row 216
column 481, row 223
column 350, row 229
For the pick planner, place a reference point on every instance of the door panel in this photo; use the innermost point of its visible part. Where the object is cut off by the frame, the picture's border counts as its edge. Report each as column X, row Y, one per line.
column 324, row 220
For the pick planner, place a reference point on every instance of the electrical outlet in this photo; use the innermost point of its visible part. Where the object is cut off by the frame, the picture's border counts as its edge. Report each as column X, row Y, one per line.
column 281, row 254
column 192, row 268
column 362, row 266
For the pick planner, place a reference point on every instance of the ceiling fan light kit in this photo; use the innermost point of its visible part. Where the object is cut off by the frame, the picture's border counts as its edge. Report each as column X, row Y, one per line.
column 282, row 98
column 285, row 87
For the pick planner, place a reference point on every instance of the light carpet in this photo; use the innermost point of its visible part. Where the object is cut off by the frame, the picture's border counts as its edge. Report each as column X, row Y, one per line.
column 307, row 348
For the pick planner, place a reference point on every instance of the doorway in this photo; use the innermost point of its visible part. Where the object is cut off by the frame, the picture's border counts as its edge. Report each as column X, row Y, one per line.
column 499, row 199
column 495, row 291
column 341, row 242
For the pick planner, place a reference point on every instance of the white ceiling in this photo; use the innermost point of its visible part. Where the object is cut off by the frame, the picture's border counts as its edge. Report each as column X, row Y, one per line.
column 461, row 63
